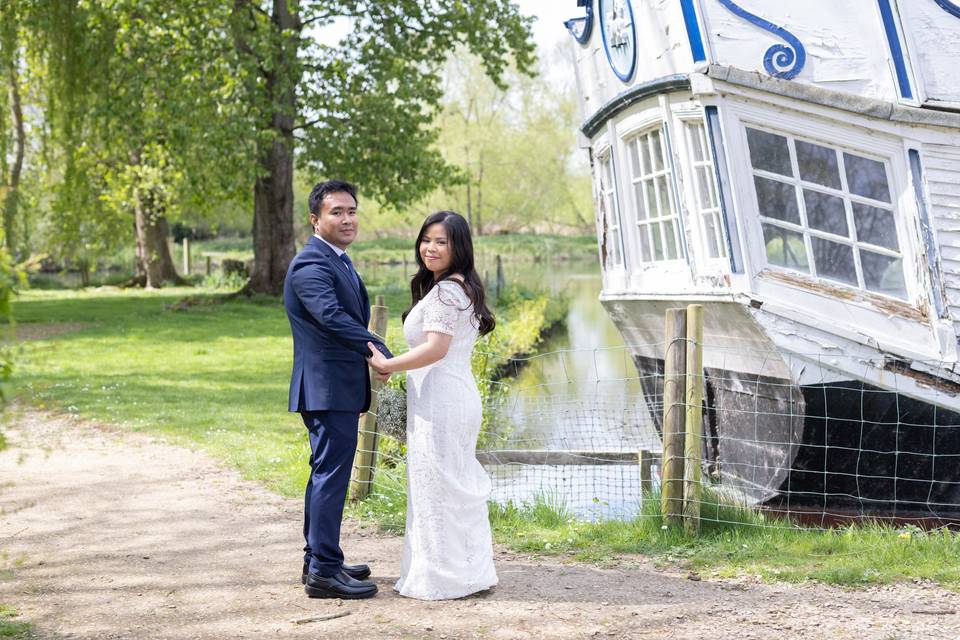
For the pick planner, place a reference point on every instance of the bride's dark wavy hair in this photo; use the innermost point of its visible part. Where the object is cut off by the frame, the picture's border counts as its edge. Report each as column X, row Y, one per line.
column 461, row 262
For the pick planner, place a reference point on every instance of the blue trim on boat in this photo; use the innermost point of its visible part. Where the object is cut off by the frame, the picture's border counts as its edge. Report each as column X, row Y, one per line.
column 693, row 31
column 780, row 61
column 949, row 7
column 896, row 51
column 625, row 77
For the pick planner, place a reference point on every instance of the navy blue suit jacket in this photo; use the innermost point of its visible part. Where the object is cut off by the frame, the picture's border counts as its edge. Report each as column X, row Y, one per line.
column 328, row 315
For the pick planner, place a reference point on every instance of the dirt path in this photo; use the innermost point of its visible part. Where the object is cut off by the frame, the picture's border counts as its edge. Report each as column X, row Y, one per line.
column 114, row 535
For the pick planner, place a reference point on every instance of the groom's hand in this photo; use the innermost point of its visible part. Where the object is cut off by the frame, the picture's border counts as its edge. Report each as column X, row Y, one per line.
column 382, row 377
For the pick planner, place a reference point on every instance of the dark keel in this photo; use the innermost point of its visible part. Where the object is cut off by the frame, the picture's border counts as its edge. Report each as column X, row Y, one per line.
column 876, row 452
column 843, row 448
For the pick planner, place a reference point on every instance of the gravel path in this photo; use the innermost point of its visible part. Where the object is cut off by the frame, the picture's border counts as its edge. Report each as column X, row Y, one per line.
column 106, row 534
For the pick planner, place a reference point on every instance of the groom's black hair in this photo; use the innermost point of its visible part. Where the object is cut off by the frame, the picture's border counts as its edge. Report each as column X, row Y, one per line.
column 320, row 191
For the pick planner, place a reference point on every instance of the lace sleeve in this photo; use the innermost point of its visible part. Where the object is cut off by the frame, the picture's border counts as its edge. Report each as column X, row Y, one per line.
column 444, row 304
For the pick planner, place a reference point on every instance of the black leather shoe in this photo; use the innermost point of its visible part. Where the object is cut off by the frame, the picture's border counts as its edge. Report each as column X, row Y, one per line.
column 339, row 586
column 355, row 571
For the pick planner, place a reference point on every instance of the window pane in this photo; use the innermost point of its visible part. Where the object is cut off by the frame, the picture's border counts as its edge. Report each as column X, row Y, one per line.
column 785, row 248
column 663, row 190
column 711, row 235
column 696, row 141
column 875, row 225
column 825, row 213
column 645, row 253
column 769, row 152
column 656, row 151
column 777, row 199
column 705, row 187
column 633, row 151
column 638, row 198
column 866, row 177
column 657, row 241
column 669, row 232
column 607, row 178
column 651, row 198
column 883, row 274
column 818, row 164
column 614, row 243
column 834, row 261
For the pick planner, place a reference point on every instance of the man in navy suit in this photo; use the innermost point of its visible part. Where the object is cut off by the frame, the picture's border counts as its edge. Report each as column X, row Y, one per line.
column 329, row 310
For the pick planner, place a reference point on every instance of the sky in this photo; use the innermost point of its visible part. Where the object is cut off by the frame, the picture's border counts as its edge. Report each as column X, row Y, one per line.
column 549, row 29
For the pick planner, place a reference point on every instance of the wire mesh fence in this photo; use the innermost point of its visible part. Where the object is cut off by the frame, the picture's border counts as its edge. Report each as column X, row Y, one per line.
column 787, row 438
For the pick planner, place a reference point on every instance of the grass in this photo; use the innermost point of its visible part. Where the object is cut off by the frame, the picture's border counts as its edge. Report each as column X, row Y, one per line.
column 10, row 628
column 736, row 541
column 214, row 376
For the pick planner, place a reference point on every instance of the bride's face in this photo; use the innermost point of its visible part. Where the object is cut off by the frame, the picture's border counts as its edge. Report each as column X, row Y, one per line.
column 435, row 248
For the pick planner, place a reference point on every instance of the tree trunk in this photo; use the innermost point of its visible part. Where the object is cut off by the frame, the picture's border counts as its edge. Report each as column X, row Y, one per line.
column 154, row 264
column 11, row 201
column 273, row 241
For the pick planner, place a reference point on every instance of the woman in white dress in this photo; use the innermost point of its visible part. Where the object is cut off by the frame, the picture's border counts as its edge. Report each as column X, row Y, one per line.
column 448, row 548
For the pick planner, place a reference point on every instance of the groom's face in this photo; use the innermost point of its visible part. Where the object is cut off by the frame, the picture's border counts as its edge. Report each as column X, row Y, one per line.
column 337, row 222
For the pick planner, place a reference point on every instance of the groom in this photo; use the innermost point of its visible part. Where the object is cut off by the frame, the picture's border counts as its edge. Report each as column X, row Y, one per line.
column 328, row 309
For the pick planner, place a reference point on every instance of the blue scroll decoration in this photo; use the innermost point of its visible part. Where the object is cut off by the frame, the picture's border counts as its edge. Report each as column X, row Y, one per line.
column 580, row 28
column 950, row 7
column 780, row 61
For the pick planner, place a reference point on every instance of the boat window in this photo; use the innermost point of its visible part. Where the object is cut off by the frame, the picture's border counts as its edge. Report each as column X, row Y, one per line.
column 652, row 194
column 705, row 187
column 607, row 216
column 826, row 212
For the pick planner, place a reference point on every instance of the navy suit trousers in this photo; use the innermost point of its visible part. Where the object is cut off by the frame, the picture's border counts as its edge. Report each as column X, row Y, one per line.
column 333, row 443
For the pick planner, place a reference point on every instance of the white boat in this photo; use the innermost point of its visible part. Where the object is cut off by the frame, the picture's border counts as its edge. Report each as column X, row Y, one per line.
column 795, row 168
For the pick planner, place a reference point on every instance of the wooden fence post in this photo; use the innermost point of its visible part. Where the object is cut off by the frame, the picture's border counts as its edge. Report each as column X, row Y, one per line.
column 674, row 388
column 365, row 461
column 209, row 265
column 645, row 458
column 186, row 257
column 694, row 421
column 501, row 280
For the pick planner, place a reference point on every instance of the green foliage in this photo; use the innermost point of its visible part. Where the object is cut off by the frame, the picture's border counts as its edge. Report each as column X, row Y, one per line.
column 516, row 149
column 373, row 97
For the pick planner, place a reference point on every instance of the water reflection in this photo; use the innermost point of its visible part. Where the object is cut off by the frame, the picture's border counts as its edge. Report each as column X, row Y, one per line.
column 581, row 392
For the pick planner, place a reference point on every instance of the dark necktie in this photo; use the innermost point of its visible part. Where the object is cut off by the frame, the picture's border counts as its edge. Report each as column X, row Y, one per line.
column 346, row 261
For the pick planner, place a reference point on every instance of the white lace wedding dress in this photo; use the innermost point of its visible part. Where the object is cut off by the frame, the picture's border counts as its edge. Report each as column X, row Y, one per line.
column 448, row 548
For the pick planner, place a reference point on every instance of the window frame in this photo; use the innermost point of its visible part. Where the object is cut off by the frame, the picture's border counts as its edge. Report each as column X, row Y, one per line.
column 847, row 136
column 665, row 176
column 697, row 213
column 616, row 273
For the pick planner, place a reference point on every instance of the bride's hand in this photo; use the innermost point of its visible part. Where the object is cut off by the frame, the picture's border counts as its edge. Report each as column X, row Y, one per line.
column 377, row 361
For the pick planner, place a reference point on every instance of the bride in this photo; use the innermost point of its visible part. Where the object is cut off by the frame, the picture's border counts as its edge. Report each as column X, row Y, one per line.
column 448, row 548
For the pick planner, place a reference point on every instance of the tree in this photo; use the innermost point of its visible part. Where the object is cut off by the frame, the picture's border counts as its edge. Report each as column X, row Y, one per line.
column 362, row 109
column 517, row 150
column 15, row 135
column 141, row 113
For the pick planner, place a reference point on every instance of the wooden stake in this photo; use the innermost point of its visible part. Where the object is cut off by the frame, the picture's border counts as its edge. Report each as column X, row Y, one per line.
column 645, row 458
column 186, row 257
column 365, row 460
column 693, row 444
column 674, row 388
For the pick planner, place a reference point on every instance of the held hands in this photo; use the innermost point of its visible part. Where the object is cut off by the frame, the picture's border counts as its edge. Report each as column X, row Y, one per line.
column 378, row 363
